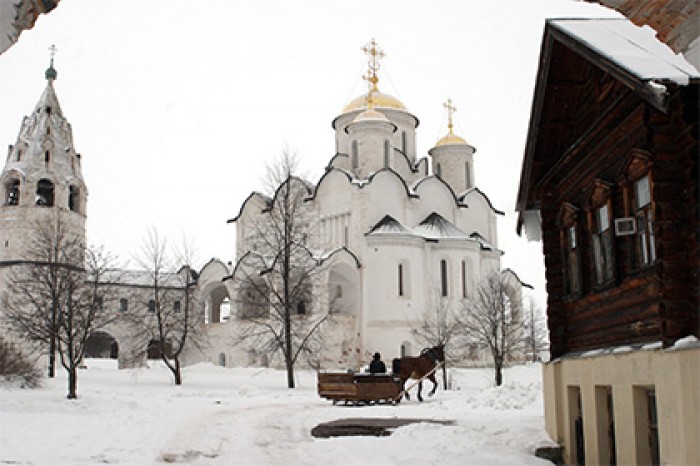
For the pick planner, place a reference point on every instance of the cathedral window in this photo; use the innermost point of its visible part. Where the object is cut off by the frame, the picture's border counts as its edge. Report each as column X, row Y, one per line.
column 177, row 306
column 12, row 192
column 443, row 278
column 354, row 155
column 387, row 148
column 73, row 199
column 19, row 154
column 403, row 142
column 400, row 279
column 123, row 305
column 467, row 176
column 438, row 170
column 47, row 156
column 464, row 279
column 44, row 193
column 151, row 305
column 646, row 244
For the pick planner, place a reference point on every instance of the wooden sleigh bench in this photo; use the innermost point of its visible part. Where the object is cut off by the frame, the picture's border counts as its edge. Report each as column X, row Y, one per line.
column 358, row 388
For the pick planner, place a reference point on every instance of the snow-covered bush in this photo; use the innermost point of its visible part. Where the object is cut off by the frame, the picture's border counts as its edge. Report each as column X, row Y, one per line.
column 16, row 367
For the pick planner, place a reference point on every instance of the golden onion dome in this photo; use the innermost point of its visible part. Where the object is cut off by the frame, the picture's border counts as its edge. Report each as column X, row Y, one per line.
column 450, row 138
column 379, row 100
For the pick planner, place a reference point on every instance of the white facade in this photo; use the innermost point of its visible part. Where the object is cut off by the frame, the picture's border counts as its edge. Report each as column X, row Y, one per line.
column 409, row 239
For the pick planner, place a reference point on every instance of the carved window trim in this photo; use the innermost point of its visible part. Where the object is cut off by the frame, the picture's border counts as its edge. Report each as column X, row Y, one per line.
column 567, row 221
column 637, row 168
column 599, row 213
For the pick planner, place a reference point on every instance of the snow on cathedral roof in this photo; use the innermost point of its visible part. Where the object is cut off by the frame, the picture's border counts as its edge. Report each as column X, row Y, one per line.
column 435, row 226
column 388, row 225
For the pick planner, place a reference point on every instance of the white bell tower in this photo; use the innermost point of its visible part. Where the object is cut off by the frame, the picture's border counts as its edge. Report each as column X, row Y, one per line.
column 41, row 180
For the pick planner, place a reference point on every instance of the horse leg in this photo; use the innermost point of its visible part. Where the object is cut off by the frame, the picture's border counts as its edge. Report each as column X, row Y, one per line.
column 403, row 391
column 420, row 388
column 435, row 384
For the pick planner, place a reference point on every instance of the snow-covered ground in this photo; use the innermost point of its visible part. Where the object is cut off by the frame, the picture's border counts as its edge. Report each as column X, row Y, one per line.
column 247, row 416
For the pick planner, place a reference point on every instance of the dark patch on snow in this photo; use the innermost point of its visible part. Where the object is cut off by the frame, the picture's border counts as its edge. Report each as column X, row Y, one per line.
column 376, row 427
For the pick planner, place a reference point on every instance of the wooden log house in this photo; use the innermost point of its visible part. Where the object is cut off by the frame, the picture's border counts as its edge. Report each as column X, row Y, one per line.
column 609, row 183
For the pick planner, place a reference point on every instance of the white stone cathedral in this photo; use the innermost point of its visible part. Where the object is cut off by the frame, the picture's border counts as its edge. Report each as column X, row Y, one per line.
column 407, row 240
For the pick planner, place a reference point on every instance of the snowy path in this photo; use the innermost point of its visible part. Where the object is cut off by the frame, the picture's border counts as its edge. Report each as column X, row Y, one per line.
column 246, row 416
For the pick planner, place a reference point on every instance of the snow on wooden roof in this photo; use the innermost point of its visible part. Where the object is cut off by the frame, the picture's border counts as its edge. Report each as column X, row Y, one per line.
column 634, row 48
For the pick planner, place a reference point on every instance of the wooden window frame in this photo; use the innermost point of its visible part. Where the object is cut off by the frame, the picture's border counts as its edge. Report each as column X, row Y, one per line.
column 570, row 242
column 600, row 217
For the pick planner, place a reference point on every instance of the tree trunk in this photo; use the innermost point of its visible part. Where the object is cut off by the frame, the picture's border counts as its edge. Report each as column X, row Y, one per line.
column 499, row 373
column 444, row 376
column 52, row 357
column 177, row 372
column 72, row 383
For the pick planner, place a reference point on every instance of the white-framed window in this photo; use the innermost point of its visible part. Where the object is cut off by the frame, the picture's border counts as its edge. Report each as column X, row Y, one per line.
column 643, row 212
column 602, row 239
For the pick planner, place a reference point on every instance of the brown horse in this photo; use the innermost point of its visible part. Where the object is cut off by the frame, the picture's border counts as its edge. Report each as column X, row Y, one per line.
column 417, row 367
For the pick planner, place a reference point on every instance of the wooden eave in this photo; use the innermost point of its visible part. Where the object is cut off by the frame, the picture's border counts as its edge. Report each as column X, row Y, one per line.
column 537, row 164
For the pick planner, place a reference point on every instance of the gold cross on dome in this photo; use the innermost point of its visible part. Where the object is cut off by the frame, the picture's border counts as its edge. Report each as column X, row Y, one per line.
column 374, row 54
column 451, row 109
column 52, row 51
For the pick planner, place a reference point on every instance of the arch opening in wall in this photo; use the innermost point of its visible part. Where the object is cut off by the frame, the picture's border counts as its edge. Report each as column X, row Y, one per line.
column 216, row 303
column 101, row 345
column 45, row 193
column 252, row 300
column 343, row 290
column 12, row 191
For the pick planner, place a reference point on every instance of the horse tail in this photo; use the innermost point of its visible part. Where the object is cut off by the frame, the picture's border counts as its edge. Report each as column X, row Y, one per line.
column 396, row 366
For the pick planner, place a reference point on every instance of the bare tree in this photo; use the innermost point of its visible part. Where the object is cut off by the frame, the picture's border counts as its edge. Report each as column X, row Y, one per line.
column 492, row 319
column 535, row 330
column 438, row 327
column 279, row 295
column 167, row 323
column 61, row 296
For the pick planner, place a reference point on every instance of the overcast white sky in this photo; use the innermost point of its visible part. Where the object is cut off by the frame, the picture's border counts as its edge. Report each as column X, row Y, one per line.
column 177, row 106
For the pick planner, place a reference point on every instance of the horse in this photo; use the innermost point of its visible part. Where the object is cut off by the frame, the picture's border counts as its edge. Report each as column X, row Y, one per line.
column 409, row 367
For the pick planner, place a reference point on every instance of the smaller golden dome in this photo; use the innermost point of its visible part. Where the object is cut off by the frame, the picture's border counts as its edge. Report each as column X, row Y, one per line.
column 450, row 138
column 379, row 100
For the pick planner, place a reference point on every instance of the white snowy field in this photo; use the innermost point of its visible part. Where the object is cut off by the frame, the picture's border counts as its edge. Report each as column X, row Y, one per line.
column 247, row 416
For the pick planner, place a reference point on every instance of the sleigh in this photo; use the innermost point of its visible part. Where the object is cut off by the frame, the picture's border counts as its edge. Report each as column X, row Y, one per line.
column 358, row 389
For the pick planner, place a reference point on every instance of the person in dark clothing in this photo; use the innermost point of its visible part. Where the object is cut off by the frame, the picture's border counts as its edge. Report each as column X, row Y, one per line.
column 377, row 365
